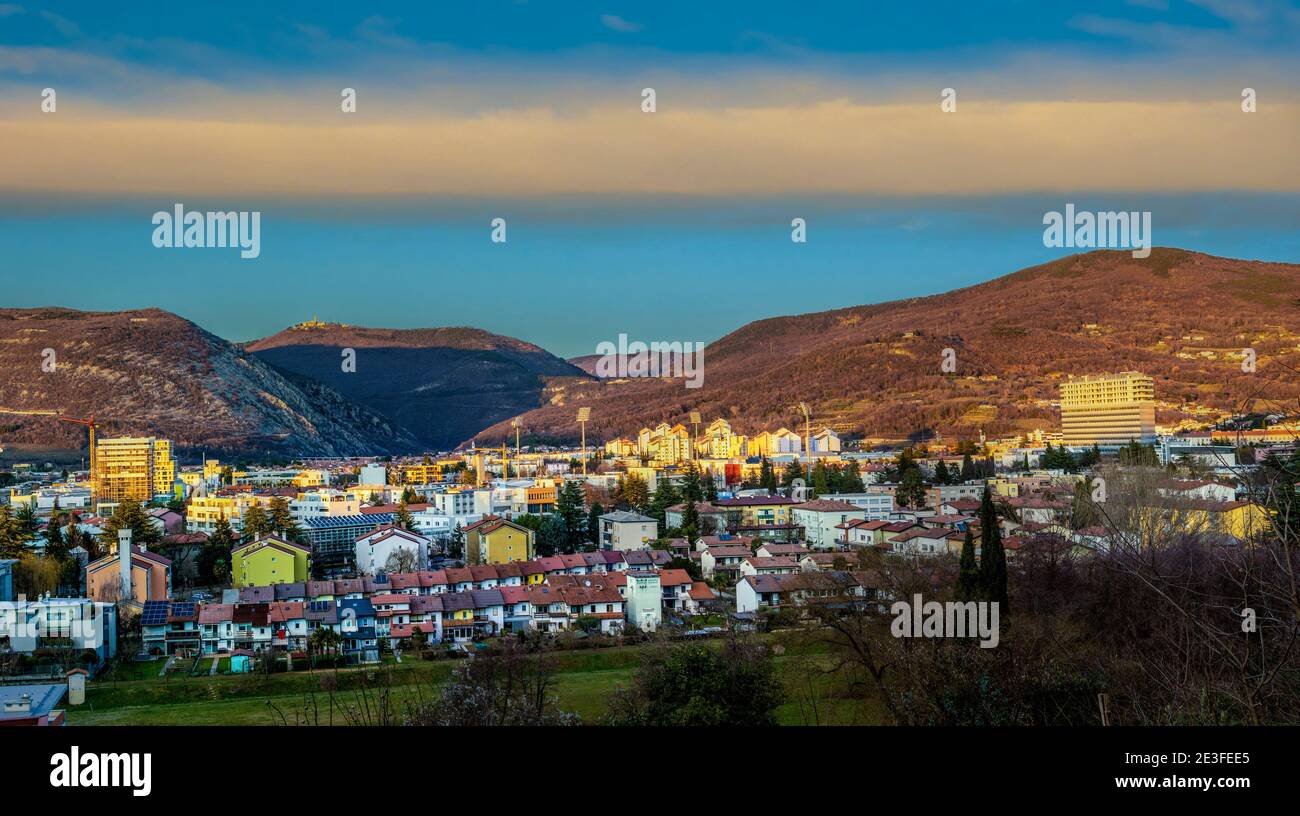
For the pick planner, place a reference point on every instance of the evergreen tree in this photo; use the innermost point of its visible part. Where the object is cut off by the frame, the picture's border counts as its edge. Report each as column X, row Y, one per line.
column 214, row 558
column 26, row 522
column 852, row 479
column 993, row 558
column 665, row 497
column 282, row 521
column 552, row 537
column 129, row 514
column 820, row 482
column 767, row 475
column 634, row 492
column 692, row 485
column 54, row 542
column 593, row 523
column 967, row 468
column 968, row 578
column 710, row 489
column 911, row 493
column 1083, row 513
column 456, row 546
column 792, row 471
column 570, row 506
column 256, row 521
column 690, row 522
column 402, row 518
column 941, row 473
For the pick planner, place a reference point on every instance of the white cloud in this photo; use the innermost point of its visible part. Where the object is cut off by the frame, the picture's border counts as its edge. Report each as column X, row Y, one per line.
column 615, row 23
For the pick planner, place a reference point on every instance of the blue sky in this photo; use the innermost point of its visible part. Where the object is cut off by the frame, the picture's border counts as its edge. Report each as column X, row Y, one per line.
column 766, row 110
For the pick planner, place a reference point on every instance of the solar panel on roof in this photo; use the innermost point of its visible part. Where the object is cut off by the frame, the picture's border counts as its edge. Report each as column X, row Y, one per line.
column 155, row 613
column 370, row 519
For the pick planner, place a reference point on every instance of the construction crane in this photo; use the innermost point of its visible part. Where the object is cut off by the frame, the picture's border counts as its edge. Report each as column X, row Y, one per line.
column 89, row 422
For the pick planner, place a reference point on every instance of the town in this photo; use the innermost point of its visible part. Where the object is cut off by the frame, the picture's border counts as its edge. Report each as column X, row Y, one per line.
column 692, row 529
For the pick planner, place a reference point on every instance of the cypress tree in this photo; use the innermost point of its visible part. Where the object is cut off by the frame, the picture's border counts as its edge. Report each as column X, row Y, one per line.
column 968, row 579
column 993, row 558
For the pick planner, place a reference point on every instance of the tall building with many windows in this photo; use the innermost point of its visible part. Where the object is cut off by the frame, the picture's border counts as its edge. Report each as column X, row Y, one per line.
column 1108, row 409
column 133, row 467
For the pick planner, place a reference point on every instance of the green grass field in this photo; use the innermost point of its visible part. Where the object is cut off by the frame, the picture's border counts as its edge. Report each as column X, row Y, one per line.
column 583, row 683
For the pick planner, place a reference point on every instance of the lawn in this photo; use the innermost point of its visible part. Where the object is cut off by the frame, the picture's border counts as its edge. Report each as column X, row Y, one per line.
column 583, row 682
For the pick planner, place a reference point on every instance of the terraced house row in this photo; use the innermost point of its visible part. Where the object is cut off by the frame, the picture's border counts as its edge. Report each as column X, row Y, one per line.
column 548, row 595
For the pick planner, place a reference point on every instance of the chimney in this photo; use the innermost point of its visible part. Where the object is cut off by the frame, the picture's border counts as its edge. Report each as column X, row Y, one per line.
column 124, row 562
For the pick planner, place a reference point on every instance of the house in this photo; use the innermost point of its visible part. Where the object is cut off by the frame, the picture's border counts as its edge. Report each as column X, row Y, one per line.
column 757, row 592
column 216, row 627
column 675, row 586
column 919, row 540
column 596, row 602
column 646, row 559
column 777, row 549
column 495, row 540
column 644, row 600
column 289, row 626
column 699, row 595
column 269, row 559
column 779, row 565
column 887, row 533
column 80, row 623
column 391, row 548
column 534, row 608
column 860, row 533
column 168, row 628
column 32, row 704
column 712, row 517
column 1197, row 489
column 874, row 503
column 820, row 517
column 767, row 517
column 723, row 559
column 624, row 530
column 357, row 629
column 151, row 577
column 250, row 627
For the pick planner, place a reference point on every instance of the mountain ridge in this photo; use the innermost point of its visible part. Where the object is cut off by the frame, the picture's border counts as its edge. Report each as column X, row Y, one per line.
column 874, row 370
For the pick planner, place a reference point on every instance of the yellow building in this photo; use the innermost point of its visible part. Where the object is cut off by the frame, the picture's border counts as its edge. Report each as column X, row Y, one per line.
column 1238, row 519
column 495, row 540
column 133, row 467
column 750, row 513
column 269, row 560
column 720, row 442
column 666, row 445
column 421, row 474
column 1109, row 409
column 202, row 512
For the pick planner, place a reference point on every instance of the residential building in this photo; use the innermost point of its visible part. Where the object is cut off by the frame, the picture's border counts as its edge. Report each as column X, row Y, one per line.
column 820, row 519
column 32, row 704
column 875, row 504
column 374, row 550
column 768, row 517
column 625, row 530
column 151, row 577
column 644, row 597
column 495, row 540
column 138, row 468
column 268, row 560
